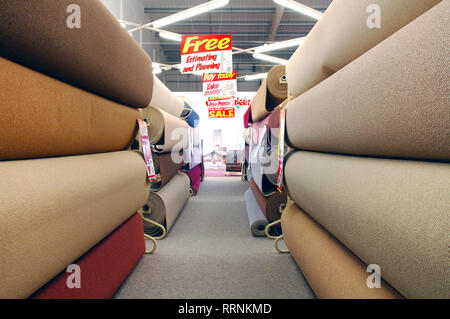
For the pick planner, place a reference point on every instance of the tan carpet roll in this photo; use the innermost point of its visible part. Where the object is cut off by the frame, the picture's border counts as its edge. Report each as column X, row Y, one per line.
column 167, row 203
column 342, row 34
column 388, row 212
column 270, row 94
column 100, row 56
column 385, row 103
column 43, row 117
column 167, row 132
column 332, row 271
column 165, row 99
column 54, row 210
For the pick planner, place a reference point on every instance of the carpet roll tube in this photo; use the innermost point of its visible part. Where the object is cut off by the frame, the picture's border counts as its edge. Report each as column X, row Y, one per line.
column 256, row 218
column 99, row 57
column 57, row 119
column 167, row 133
column 166, row 167
column 190, row 116
column 271, row 93
column 332, row 44
column 333, row 116
column 103, row 272
column 165, row 99
column 332, row 271
column 54, row 210
column 393, row 213
column 167, row 204
column 270, row 205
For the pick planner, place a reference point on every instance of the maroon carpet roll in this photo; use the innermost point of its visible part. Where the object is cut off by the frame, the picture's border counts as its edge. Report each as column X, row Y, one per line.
column 165, row 167
column 269, row 204
column 194, row 174
column 99, row 56
column 248, row 117
column 196, row 185
column 104, row 268
column 202, row 167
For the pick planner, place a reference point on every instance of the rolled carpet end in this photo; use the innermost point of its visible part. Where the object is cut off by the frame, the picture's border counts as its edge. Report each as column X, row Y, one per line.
column 256, row 218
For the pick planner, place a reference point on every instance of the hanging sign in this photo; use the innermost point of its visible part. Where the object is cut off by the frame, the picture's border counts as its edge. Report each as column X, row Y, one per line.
column 219, row 102
column 209, row 53
column 221, row 112
column 238, row 102
column 219, row 86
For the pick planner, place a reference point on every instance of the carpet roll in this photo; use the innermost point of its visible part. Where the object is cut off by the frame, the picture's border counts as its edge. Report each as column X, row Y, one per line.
column 393, row 213
column 165, row 99
column 190, row 116
column 248, row 117
column 44, row 117
column 247, row 136
column 167, row 203
column 194, row 174
column 271, row 93
column 258, row 129
column 342, row 35
column 196, row 186
column 167, row 133
column 407, row 120
column 166, row 167
column 54, row 210
column 102, row 272
column 270, row 205
column 332, row 271
column 100, row 56
column 256, row 218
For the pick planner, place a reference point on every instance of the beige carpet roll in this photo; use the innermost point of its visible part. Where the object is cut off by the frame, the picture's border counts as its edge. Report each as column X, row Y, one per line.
column 97, row 55
column 54, row 210
column 342, row 35
column 167, row 132
column 331, row 270
column 165, row 99
column 271, row 93
column 385, row 103
column 44, row 117
column 392, row 213
column 167, row 203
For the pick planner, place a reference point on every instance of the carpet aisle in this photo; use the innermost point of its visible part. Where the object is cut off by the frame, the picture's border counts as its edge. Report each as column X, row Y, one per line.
column 210, row 253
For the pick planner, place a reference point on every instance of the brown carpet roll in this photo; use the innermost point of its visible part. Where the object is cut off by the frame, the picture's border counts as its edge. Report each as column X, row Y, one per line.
column 271, row 93
column 165, row 99
column 385, row 103
column 342, row 35
column 269, row 204
column 167, row 203
column 393, row 213
column 43, row 117
column 167, row 132
column 332, row 271
column 100, row 56
column 54, row 210
column 165, row 167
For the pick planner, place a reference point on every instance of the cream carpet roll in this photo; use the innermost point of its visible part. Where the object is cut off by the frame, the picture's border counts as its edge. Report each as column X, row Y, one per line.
column 388, row 212
column 165, row 99
column 167, row 132
column 167, row 203
column 98, row 55
column 44, row 117
column 342, row 35
column 54, row 210
column 272, row 92
column 332, row 271
column 385, row 103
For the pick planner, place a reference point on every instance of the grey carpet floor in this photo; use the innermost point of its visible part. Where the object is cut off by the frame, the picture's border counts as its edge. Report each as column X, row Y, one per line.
column 210, row 253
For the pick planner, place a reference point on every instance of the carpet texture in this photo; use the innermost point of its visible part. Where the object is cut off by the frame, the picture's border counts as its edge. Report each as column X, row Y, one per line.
column 165, row 99
column 210, row 253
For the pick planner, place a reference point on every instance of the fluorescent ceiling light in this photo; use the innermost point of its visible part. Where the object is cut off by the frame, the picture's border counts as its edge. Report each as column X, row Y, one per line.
column 202, row 8
column 157, row 71
column 170, row 36
column 155, row 65
column 294, row 5
column 280, row 45
column 269, row 58
column 123, row 24
column 255, row 76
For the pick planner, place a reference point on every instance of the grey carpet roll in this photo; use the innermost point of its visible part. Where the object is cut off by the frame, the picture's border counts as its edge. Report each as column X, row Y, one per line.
column 167, row 203
column 393, row 213
column 385, row 103
column 342, row 35
column 99, row 57
column 256, row 218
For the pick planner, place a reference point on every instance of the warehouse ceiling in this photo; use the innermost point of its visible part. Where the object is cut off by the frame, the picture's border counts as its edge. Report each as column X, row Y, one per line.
column 251, row 23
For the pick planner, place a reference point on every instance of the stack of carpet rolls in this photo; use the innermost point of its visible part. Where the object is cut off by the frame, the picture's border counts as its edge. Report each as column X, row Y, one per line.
column 174, row 141
column 263, row 151
column 234, row 161
column 370, row 175
column 69, row 189
column 246, row 173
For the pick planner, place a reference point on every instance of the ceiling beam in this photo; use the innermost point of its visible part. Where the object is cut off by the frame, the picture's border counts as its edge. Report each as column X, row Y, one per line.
column 276, row 23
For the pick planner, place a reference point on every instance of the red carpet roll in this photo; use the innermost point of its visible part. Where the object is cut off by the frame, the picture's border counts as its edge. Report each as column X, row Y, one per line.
column 194, row 174
column 196, row 185
column 269, row 204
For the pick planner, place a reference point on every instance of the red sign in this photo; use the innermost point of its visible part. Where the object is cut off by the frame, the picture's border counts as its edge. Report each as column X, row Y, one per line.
column 221, row 112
